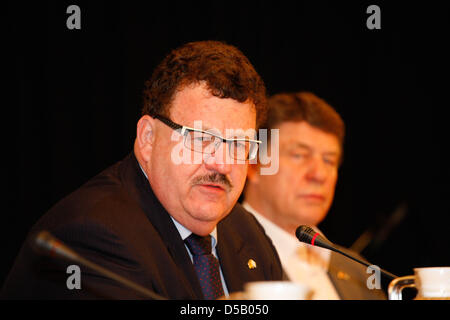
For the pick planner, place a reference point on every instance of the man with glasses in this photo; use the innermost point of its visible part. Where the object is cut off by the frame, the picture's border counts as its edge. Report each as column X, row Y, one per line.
column 166, row 216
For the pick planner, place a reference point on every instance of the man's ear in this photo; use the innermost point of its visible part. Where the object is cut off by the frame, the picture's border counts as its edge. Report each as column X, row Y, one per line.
column 253, row 173
column 145, row 137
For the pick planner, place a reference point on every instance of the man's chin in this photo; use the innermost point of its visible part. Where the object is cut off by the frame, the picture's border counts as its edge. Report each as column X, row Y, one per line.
column 310, row 217
column 208, row 213
column 202, row 226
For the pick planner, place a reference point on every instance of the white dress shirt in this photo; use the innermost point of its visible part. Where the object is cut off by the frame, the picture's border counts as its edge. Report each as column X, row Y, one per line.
column 302, row 263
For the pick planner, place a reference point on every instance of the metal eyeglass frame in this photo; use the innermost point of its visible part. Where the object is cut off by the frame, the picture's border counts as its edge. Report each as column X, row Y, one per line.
column 185, row 130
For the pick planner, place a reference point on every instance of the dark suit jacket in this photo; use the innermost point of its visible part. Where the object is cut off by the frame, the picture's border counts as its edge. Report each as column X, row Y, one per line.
column 116, row 221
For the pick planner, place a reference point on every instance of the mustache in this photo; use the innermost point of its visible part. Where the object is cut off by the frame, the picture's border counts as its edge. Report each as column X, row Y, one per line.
column 216, row 178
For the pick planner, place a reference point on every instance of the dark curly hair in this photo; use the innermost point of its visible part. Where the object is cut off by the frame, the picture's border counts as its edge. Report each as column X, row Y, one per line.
column 226, row 70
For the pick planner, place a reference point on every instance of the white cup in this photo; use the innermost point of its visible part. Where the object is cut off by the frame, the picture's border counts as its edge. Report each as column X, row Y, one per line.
column 431, row 283
column 275, row 290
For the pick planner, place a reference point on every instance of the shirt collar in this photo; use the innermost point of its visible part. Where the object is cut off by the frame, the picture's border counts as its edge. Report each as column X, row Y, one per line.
column 285, row 243
column 185, row 232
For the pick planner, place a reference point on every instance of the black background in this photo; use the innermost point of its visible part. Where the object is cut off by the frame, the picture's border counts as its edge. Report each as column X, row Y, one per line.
column 74, row 97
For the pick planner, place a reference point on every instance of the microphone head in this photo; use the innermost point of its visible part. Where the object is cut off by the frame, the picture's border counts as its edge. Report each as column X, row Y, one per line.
column 42, row 238
column 312, row 237
column 305, row 234
column 41, row 242
column 45, row 243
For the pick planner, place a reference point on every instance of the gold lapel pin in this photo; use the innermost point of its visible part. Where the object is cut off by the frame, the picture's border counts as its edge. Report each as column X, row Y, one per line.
column 251, row 264
column 341, row 275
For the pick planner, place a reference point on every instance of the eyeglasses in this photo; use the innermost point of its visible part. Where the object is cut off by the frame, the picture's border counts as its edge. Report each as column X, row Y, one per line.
column 208, row 142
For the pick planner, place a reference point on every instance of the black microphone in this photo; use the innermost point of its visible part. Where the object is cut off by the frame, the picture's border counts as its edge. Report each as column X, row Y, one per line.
column 47, row 244
column 308, row 235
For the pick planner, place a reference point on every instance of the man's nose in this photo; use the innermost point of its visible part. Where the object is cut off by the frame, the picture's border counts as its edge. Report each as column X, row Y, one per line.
column 317, row 170
column 220, row 160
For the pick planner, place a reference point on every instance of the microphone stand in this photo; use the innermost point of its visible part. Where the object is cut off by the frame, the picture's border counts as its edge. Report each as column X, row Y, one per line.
column 310, row 236
column 48, row 244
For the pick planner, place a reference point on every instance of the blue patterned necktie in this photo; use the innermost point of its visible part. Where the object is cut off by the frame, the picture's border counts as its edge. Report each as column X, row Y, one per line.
column 206, row 266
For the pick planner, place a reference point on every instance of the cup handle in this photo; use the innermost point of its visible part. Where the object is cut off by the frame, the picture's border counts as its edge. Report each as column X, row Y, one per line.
column 398, row 284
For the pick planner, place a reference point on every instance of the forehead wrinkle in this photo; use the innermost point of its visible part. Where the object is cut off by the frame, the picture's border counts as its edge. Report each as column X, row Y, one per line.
column 311, row 148
column 207, row 109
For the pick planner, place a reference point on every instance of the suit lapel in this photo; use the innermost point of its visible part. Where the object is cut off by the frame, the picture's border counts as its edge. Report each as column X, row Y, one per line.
column 140, row 189
column 235, row 255
column 227, row 253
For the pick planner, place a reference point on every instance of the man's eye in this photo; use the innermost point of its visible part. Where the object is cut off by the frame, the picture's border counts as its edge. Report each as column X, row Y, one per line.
column 331, row 162
column 297, row 155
